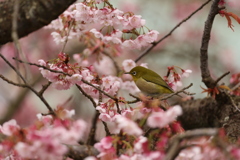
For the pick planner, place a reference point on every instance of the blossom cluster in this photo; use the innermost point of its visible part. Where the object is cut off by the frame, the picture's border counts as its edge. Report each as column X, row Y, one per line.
column 110, row 25
column 46, row 139
column 126, row 123
column 63, row 75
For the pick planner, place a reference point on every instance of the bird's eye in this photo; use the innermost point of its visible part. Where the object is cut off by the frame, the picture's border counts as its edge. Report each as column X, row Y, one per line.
column 134, row 73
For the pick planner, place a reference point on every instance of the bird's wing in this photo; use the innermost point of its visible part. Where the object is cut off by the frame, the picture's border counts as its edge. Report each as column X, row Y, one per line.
column 158, row 80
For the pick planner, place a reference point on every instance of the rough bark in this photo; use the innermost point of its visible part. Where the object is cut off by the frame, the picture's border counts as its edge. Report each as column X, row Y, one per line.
column 33, row 14
column 210, row 113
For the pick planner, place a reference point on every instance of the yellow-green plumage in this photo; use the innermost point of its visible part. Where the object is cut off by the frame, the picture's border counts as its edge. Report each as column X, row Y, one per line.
column 149, row 82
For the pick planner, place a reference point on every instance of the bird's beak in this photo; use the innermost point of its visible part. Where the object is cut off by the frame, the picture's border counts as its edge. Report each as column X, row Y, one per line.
column 127, row 73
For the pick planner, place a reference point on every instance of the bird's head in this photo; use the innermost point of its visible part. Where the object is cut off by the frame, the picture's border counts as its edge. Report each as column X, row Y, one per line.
column 137, row 72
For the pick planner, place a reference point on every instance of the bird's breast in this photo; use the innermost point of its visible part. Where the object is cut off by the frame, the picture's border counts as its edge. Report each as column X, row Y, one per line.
column 149, row 88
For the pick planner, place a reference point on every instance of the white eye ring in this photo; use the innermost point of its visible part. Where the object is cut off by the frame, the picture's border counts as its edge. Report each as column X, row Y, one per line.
column 134, row 73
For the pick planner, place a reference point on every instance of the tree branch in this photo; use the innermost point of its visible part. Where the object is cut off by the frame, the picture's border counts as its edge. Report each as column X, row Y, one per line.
column 206, row 77
column 176, row 93
column 32, row 15
column 25, row 85
column 174, row 145
column 170, row 33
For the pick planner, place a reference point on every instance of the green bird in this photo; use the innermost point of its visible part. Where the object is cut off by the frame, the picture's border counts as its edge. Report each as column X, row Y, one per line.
column 149, row 82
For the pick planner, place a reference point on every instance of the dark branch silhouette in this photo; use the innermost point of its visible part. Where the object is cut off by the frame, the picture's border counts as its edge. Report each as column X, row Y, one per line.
column 32, row 16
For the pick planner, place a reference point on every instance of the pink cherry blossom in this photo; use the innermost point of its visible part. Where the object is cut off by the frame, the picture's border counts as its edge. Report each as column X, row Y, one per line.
column 127, row 113
column 131, row 44
column 62, row 85
column 136, row 21
column 128, row 126
column 107, row 113
column 48, row 141
column 57, row 38
column 128, row 64
column 74, row 79
column 86, row 75
column 10, row 127
column 41, row 62
column 185, row 73
column 139, row 145
column 96, row 33
column 142, row 40
column 161, row 119
column 105, row 146
column 90, row 90
column 152, row 36
column 47, row 120
column 95, row 19
column 111, row 84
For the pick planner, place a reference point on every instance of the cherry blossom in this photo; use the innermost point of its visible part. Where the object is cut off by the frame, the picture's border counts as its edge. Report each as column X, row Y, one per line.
column 136, row 22
column 105, row 146
column 128, row 126
column 140, row 144
column 161, row 119
column 111, row 84
column 87, row 18
column 10, row 127
column 128, row 64
column 185, row 73
column 107, row 111
column 45, row 139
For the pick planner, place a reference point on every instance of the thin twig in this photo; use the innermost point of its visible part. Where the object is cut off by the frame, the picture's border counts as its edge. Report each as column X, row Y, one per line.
column 66, row 40
column 15, row 38
column 235, row 87
column 13, row 83
column 13, row 106
column 33, row 90
column 28, row 86
column 86, row 95
column 106, row 94
column 232, row 101
column 167, row 35
column 188, row 93
column 137, row 99
column 106, row 128
column 14, row 32
column 221, row 77
column 134, row 101
column 10, row 65
column 118, row 109
column 182, row 90
column 55, row 71
column 44, row 88
column 91, row 136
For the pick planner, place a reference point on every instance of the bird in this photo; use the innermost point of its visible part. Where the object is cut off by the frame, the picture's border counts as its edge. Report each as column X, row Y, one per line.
column 149, row 82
